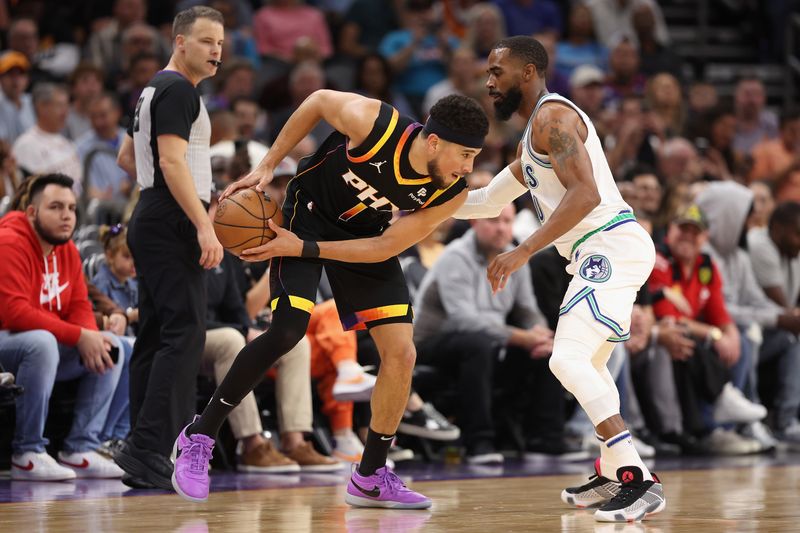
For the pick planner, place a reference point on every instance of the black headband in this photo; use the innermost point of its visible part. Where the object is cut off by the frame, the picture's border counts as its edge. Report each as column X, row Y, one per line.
column 447, row 134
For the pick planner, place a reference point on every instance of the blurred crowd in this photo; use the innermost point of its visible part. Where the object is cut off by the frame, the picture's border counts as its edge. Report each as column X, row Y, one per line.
column 713, row 362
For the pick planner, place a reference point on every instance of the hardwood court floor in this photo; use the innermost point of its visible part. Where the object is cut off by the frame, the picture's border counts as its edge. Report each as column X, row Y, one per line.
column 757, row 498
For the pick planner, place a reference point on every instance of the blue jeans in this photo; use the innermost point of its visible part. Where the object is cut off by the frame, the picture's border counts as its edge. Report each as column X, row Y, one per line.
column 118, row 421
column 785, row 347
column 37, row 360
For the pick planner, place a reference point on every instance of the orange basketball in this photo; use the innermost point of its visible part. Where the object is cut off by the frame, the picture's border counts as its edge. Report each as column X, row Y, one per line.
column 241, row 220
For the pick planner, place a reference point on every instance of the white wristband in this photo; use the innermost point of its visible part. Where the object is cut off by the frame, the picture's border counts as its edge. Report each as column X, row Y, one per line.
column 487, row 202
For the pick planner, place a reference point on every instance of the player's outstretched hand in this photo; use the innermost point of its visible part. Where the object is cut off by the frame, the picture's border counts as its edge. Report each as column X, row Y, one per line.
column 258, row 178
column 285, row 244
column 503, row 266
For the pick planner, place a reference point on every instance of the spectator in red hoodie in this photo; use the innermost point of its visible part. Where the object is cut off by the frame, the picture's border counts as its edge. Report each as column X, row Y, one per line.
column 48, row 333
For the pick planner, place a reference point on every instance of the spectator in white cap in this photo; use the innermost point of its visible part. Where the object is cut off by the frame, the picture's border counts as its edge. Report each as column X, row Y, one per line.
column 587, row 90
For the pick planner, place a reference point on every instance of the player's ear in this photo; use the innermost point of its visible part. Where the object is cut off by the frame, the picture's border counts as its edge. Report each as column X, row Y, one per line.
column 180, row 41
column 433, row 143
column 528, row 72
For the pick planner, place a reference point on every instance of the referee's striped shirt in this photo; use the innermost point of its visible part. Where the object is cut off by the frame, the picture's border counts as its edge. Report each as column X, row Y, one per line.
column 171, row 105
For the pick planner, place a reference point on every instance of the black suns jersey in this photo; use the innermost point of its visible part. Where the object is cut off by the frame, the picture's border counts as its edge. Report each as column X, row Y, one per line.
column 357, row 189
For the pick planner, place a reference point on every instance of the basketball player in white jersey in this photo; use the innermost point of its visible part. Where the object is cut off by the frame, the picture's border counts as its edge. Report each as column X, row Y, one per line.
column 560, row 161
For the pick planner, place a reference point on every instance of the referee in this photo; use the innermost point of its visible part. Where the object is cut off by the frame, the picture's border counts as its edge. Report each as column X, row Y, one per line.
column 173, row 242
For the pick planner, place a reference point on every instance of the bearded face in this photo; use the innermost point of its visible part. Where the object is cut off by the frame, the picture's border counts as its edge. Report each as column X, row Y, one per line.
column 506, row 104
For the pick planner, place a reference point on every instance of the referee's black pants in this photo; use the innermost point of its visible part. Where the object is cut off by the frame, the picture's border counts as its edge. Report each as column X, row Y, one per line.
column 172, row 317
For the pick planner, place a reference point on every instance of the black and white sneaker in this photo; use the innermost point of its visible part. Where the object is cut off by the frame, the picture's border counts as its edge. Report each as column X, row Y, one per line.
column 637, row 498
column 598, row 491
column 428, row 423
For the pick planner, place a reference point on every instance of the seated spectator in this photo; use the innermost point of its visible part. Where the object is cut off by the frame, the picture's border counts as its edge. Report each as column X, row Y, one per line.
column 116, row 277
column 462, row 73
column 250, row 121
column 23, row 38
column 586, row 90
column 304, row 79
column 696, row 342
column 655, row 56
column 772, row 157
column 16, row 106
column 279, row 25
column 460, row 328
column 485, row 27
column 48, row 333
column 373, row 78
column 649, row 191
column 98, row 148
column 775, row 254
column 632, row 138
column 763, row 205
column 236, row 79
column 624, row 75
column 580, row 48
column 105, row 48
column 43, row 149
column 365, row 24
column 663, row 97
column 679, row 162
column 754, row 122
column 419, row 52
column 727, row 206
column 85, row 84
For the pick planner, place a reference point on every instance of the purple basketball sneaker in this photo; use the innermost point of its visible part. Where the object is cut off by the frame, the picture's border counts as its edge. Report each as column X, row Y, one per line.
column 192, row 455
column 382, row 489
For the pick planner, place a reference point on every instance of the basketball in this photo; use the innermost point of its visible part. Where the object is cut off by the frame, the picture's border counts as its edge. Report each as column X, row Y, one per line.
column 241, row 220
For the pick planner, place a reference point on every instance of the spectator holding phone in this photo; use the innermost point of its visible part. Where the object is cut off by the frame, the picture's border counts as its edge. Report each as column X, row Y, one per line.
column 48, row 333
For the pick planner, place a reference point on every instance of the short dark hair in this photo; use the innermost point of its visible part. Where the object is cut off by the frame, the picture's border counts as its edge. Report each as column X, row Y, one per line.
column 785, row 214
column 86, row 68
column 461, row 114
column 528, row 49
column 32, row 186
column 640, row 170
column 185, row 19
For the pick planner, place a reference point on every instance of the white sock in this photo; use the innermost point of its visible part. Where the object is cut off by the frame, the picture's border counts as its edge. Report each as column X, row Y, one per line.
column 618, row 451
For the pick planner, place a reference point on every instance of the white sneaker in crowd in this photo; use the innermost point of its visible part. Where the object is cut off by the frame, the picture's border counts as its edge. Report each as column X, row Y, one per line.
column 32, row 466
column 644, row 450
column 90, row 465
column 727, row 442
column 347, row 448
column 353, row 384
column 733, row 407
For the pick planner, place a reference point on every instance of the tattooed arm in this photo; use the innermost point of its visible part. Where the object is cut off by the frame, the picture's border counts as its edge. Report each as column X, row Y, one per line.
column 560, row 133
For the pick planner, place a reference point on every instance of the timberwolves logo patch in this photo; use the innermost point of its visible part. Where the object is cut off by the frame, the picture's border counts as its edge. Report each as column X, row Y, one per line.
column 595, row 268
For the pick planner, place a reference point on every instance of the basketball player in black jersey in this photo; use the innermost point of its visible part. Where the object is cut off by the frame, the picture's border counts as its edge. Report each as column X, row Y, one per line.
column 336, row 215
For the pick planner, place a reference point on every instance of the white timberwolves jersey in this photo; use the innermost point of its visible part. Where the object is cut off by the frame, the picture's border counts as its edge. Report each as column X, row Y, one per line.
column 547, row 191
